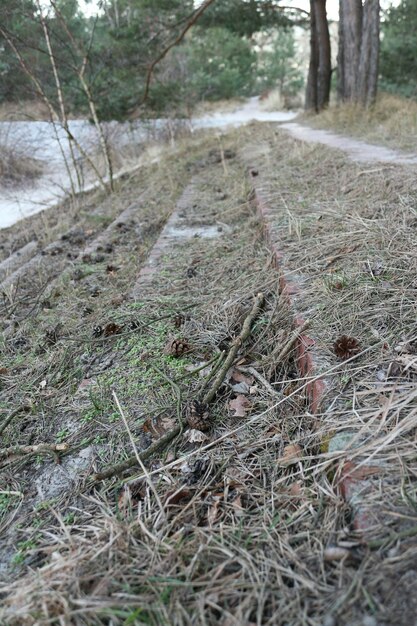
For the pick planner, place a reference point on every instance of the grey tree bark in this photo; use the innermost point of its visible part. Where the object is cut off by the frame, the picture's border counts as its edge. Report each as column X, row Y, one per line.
column 358, row 52
column 319, row 73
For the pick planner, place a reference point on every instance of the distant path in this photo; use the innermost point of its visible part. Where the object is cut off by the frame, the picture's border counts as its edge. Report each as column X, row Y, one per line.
column 356, row 149
column 250, row 111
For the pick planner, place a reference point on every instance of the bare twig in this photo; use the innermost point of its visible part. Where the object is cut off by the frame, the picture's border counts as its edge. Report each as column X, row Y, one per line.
column 39, row 448
column 64, row 117
column 53, row 114
column 246, row 328
column 80, row 71
column 8, row 420
column 114, row 470
column 195, row 16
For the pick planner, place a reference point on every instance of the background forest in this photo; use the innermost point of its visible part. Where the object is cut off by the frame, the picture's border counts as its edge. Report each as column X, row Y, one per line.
column 222, row 57
column 235, row 48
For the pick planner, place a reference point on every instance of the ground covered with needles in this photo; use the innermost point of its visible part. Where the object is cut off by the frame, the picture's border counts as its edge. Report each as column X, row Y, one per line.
column 160, row 460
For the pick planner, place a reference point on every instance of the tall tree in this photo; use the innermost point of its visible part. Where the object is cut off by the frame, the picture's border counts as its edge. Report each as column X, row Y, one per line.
column 398, row 66
column 358, row 51
column 247, row 17
column 18, row 19
column 319, row 73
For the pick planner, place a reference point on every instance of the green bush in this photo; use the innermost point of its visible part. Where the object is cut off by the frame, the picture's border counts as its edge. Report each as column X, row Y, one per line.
column 277, row 64
column 398, row 60
column 221, row 64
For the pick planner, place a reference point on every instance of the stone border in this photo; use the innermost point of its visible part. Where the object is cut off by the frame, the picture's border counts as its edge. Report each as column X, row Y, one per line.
column 352, row 483
column 307, row 360
column 176, row 230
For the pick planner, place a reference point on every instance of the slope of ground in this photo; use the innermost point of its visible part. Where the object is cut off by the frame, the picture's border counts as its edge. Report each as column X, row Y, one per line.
column 132, row 329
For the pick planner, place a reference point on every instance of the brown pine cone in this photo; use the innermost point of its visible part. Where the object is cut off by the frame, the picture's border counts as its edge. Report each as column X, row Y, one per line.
column 177, row 347
column 198, row 415
column 112, row 329
column 52, row 336
column 346, row 347
column 179, row 320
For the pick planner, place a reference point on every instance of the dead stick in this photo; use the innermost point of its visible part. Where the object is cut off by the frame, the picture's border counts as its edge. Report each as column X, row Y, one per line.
column 246, row 328
column 169, row 436
column 162, row 442
column 39, row 448
column 4, row 425
column 292, row 341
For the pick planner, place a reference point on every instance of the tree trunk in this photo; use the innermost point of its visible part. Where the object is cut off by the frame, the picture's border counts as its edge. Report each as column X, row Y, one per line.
column 311, row 89
column 319, row 73
column 368, row 62
column 358, row 51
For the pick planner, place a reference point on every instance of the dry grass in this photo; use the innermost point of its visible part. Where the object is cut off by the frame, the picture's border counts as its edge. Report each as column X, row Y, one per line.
column 26, row 110
column 127, row 153
column 392, row 121
column 223, row 487
column 17, row 168
column 239, row 531
column 207, row 107
column 348, row 235
column 275, row 101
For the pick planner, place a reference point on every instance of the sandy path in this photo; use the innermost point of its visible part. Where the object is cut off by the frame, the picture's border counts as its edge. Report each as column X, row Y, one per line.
column 356, row 149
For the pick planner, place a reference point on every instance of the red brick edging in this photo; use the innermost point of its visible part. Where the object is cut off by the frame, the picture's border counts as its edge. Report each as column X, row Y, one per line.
column 351, row 486
column 315, row 390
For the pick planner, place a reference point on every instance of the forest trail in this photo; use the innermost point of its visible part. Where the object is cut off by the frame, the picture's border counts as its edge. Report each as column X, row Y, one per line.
column 357, row 150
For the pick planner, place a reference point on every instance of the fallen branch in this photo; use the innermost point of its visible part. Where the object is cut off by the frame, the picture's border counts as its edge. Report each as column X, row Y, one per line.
column 39, row 448
column 114, row 470
column 196, row 15
column 8, row 420
column 246, row 328
column 166, row 439
column 255, row 418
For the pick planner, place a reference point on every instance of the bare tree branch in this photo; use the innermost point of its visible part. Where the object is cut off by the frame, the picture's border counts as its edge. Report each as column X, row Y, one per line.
column 81, row 77
column 53, row 113
column 193, row 19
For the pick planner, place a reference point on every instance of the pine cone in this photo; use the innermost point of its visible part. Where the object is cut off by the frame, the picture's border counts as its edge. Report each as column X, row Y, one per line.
column 177, row 347
column 52, row 336
column 346, row 347
column 179, row 320
column 112, row 329
column 198, row 415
